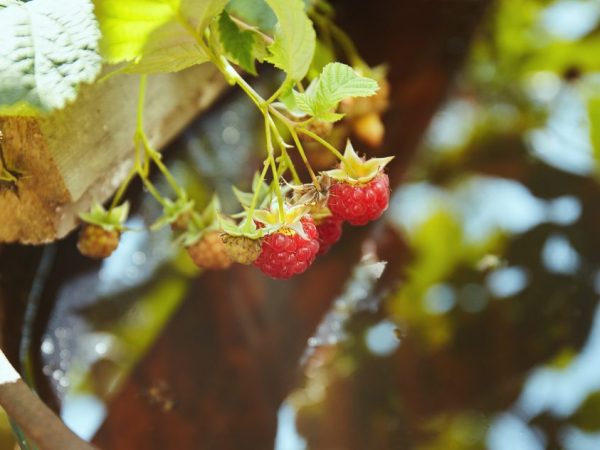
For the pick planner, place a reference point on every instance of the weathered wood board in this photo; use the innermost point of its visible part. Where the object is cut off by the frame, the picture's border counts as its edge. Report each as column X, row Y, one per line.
column 79, row 155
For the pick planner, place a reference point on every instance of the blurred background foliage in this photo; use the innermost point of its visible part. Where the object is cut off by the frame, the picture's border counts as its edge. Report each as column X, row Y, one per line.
column 491, row 338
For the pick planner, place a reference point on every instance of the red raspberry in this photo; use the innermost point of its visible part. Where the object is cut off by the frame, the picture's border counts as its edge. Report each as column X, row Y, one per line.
column 330, row 231
column 362, row 202
column 97, row 242
column 286, row 253
column 209, row 252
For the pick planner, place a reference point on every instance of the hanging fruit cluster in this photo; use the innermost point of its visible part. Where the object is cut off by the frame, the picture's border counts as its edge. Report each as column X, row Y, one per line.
column 284, row 223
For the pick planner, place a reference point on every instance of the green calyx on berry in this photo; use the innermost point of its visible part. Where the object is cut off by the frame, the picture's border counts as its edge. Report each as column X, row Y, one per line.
column 247, row 228
column 354, row 169
column 289, row 219
column 202, row 223
column 259, row 187
column 174, row 212
column 109, row 220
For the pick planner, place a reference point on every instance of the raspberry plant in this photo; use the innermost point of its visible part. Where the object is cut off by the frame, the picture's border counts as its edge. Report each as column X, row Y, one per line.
column 278, row 228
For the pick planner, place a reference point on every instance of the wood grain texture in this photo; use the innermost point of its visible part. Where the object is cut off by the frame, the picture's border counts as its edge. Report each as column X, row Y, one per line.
column 79, row 155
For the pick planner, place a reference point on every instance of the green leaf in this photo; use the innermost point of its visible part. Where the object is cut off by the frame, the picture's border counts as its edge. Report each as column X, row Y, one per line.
column 336, row 82
column 156, row 35
column 339, row 81
column 253, row 12
column 237, row 44
column 294, row 45
column 47, row 49
column 170, row 48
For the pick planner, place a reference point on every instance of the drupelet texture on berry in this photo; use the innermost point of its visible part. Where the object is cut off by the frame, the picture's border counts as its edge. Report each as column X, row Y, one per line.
column 209, row 252
column 285, row 253
column 361, row 202
column 241, row 249
column 330, row 231
column 97, row 242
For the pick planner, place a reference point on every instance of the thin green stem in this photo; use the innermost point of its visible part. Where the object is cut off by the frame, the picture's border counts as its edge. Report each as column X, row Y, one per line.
column 289, row 165
column 279, row 91
column 304, row 158
column 271, row 158
column 123, row 187
column 245, row 26
column 157, row 159
column 323, row 142
column 150, row 153
column 150, row 187
column 261, row 179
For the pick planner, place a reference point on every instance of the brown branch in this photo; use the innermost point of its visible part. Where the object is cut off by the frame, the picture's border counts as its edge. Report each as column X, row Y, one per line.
column 37, row 421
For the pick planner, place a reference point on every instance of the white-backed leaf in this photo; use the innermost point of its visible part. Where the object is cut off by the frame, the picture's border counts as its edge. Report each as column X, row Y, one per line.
column 47, row 48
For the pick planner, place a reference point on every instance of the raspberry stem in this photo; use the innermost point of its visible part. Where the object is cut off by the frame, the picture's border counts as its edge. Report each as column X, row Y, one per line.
column 271, row 158
column 150, row 152
column 304, row 158
column 323, row 142
column 257, row 189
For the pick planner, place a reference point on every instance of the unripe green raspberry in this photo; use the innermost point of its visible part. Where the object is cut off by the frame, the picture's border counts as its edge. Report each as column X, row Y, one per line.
column 241, row 249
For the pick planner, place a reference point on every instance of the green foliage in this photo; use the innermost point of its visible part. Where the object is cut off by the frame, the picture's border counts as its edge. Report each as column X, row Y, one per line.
column 238, row 44
column 157, row 36
column 336, row 82
column 47, row 49
column 295, row 39
column 519, row 44
column 255, row 12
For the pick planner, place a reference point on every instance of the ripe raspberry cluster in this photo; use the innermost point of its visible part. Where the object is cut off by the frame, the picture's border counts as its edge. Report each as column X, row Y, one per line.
column 281, row 239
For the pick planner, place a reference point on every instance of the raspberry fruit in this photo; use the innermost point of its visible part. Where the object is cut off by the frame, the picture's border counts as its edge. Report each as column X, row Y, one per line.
column 360, row 190
column 330, row 231
column 241, row 249
column 97, row 242
column 209, row 252
column 101, row 231
column 360, row 203
column 285, row 253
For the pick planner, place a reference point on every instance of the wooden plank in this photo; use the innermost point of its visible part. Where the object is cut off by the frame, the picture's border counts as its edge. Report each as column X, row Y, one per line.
column 79, row 155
